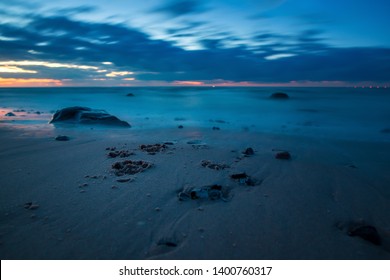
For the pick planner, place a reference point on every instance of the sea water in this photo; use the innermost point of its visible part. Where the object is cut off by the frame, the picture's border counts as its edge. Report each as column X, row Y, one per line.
column 337, row 113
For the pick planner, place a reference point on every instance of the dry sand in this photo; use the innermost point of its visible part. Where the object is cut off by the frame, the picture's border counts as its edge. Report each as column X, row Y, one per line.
column 300, row 208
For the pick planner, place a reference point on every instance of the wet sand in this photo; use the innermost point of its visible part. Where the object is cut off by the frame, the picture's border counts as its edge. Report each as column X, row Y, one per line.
column 63, row 200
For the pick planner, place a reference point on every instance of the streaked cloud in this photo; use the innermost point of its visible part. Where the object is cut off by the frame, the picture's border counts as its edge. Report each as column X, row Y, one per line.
column 15, row 69
column 119, row 74
column 199, row 43
column 20, row 82
column 47, row 64
column 279, row 56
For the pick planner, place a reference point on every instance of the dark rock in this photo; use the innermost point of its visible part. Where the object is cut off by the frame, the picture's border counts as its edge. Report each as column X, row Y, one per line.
column 212, row 192
column 283, row 155
column 27, row 205
column 215, row 166
column 10, row 114
column 31, row 206
column 62, row 138
column 243, row 179
column 167, row 243
column 249, row 152
column 180, row 126
column 130, row 94
column 153, row 149
column 37, row 112
column 216, row 128
column 368, row 233
column 122, row 154
column 279, row 95
column 124, row 180
column 88, row 116
column 130, row 167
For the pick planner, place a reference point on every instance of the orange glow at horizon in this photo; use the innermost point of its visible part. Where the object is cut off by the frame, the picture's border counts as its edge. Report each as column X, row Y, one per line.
column 188, row 83
column 16, row 82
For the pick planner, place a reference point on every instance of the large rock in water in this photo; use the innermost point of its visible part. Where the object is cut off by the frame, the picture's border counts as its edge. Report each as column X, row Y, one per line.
column 279, row 95
column 85, row 115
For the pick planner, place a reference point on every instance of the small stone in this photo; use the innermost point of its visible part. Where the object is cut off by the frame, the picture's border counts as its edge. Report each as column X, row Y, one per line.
column 114, row 187
column 10, row 114
column 283, row 155
column 33, row 216
column 130, row 94
column 216, row 128
column 148, row 195
column 249, row 152
column 33, row 207
column 180, row 127
column 27, row 205
column 82, row 191
column 368, row 233
column 157, row 209
column 124, row 180
column 200, row 208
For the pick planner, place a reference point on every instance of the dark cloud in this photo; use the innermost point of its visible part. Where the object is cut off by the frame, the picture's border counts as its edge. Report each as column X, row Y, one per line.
column 61, row 39
column 177, row 8
column 77, row 10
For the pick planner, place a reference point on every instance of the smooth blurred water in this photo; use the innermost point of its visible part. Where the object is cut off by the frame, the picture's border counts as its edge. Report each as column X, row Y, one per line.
column 340, row 113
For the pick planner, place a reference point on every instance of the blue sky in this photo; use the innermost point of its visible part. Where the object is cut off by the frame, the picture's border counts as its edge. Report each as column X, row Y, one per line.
column 194, row 42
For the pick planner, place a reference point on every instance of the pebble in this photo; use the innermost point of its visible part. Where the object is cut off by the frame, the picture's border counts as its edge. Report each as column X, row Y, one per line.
column 82, row 191
column 33, row 207
column 157, row 209
column 283, row 155
column 249, row 152
column 368, row 233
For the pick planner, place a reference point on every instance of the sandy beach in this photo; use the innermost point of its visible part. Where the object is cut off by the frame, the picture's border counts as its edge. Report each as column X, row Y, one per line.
column 63, row 200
